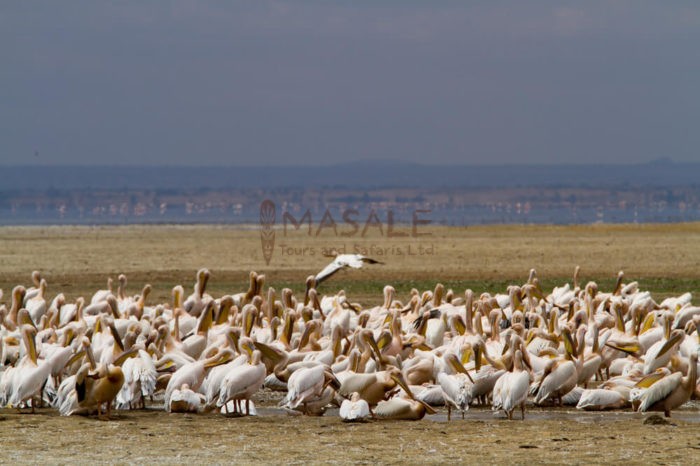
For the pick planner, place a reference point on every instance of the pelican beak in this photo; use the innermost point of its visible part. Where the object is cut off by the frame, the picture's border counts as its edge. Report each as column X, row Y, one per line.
column 650, row 379
column 384, row 340
column 676, row 337
column 428, row 409
column 165, row 365
column 459, row 367
column 530, row 337
column 248, row 323
column 647, row 324
column 216, row 362
column 267, row 351
column 125, row 355
column 402, row 383
column 631, row 348
column 467, row 355
column 373, row 345
column 332, row 381
column 74, row 358
column 569, row 343
column 459, row 325
column 477, row 357
column 70, row 335
column 248, row 348
column 115, row 335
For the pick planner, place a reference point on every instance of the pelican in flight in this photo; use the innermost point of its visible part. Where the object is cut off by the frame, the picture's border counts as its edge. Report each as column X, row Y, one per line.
column 343, row 261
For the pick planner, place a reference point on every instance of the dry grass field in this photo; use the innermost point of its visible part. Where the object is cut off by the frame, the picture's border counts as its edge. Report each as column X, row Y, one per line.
column 77, row 260
column 664, row 258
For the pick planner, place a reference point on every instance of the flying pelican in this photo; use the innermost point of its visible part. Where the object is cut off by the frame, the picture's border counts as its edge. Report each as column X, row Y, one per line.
column 342, row 261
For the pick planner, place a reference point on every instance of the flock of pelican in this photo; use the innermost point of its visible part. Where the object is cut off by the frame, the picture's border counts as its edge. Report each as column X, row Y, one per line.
column 576, row 345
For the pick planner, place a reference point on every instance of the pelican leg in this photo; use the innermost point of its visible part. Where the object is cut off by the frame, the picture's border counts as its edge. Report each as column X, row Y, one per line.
column 247, row 407
column 462, row 414
column 522, row 411
column 449, row 411
column 667, row 413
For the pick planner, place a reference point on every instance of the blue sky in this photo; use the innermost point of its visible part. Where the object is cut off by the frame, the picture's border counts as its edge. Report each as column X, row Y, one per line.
column 309, row 82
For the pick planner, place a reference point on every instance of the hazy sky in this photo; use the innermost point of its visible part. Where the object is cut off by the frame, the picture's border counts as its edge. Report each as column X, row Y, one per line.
column 272, row 82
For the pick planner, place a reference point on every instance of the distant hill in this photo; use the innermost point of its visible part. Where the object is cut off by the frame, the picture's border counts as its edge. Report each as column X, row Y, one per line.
column 366, row 174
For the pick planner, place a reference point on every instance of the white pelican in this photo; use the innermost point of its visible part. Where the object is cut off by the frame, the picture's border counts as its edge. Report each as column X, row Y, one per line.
column 32, row 290
column 597, row 399
column 196, row 302
column 140, row 377
column 192, row 374
column 30, row 375
column 354, row 410
column 561, row 375
column 101, row 295
column 511, row 389
column 342, row 261
column 405, row 409
column 36, row 305
column 671, row 391
column 455, row 387
column 372, row 387
column 307, row 384
column 242, row 382
column 185, row 400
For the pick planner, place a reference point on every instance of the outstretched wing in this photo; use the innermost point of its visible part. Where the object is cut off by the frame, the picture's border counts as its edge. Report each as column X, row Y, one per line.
column 329, row 270
column 369, row 260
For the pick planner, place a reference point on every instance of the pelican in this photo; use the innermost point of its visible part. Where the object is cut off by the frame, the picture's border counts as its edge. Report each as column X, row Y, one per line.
column 372, row 387
column 671, row 391
column 455, row 387
column 196, row 302
column 192, row 374
column 405, row 409
column 561, row 375
column 242, row 381
column 100, row 388
column 140, row 377
column 185, row 400
column 101, row 295
column 597, row 399
column 30, row 375
column 306, row 384
column 343, row 261
column 36, row 305
column 354, row 410
column 511, row 389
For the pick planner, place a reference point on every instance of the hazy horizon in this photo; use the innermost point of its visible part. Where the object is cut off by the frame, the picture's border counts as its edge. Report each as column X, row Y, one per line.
column 322, row 83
